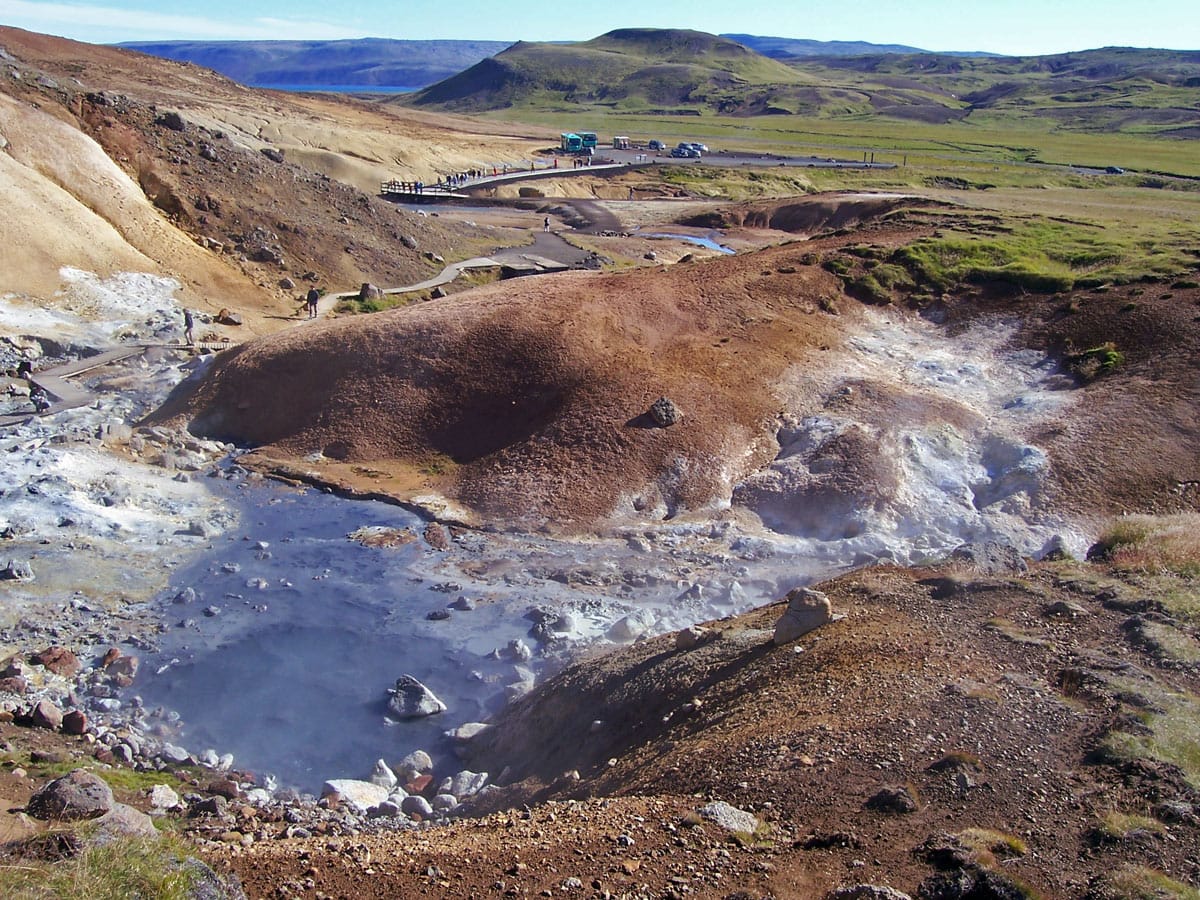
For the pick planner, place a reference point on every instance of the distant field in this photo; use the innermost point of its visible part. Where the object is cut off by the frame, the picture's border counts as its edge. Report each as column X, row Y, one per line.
column 999, row 140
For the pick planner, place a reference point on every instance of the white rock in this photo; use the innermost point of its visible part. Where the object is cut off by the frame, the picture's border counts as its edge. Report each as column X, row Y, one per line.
column 807, row 610
column 358, row 795
column 162, row 798
column 518, row 650
column 630, row 627
column 467, row 731
column 382, row 775
column 729, row 817
column 416, row 763
column 175, row 755
column 466, row 783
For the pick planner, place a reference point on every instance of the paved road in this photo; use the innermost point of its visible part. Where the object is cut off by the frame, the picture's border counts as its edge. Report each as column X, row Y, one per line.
column 733, row 158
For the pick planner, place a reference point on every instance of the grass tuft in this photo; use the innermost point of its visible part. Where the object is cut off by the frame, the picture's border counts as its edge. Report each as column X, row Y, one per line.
column 115, row 871
column 1142, row 883
column 1152, row 544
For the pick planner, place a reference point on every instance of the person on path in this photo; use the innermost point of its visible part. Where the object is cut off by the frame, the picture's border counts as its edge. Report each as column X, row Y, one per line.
column 546, row 224
column 312, row 298
column 189, row 325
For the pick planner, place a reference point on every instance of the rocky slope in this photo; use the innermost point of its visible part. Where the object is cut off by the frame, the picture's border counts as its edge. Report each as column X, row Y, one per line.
column 114, row 161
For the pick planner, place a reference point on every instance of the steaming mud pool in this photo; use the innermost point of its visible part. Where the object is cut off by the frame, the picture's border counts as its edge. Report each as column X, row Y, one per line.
column 272, row 620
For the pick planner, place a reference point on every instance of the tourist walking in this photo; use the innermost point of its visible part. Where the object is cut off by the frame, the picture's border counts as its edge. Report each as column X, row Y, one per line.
column 546, row 224
column 189, row 325
column 312, row 298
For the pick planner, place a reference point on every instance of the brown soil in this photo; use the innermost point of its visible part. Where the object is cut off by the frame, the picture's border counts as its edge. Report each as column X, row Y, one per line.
column 502, row 396
column 516, row 389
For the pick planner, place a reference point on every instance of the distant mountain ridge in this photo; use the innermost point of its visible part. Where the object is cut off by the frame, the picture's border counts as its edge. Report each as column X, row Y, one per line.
column 413, row 63
column 796, row 48
column 366, row 61
column 675, row 72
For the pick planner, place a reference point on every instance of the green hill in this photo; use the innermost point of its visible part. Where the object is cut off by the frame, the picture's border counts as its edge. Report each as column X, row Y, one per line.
column 643, row 71
column 632, row 68
column 1114, row 89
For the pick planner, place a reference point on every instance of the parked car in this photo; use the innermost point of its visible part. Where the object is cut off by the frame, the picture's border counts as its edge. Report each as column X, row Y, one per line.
column 656, row 145
column 698, row 147
column 680, row 152
column 1114, row 170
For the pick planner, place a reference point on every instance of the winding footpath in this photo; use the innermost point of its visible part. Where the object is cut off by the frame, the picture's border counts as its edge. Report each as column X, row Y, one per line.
column 555, row 254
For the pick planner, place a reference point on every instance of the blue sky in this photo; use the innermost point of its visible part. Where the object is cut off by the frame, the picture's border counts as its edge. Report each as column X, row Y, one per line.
column 1001, row 26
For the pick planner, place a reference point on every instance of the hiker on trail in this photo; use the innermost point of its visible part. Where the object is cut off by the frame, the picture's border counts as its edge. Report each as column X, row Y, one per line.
column 312, row 297
column 546, row 224
column 189, row 325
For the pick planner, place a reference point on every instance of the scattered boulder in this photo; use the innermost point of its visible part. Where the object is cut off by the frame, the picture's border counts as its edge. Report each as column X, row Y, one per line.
column 228, row 316
column 46, row 715
column 990, row 557
column 806, row 610
column 416, row 806
column 75, row 722
column 974, row 883
column 665, row 412
column 465, row 783
column 172, row 121
column 382, row 775
column 76, row 795
column 893, row 800
column 227, row 788
column 412, row 700
column 438, row 293
column 408, row 241
column 358, row 795
column 369, row 291
column 13, row 684
column 416, row 763
column 121, row 821
column 467, row 731
column 867, row 892
column 17, row 570
column 175, row 755
column 1066, row 609
column 163, row 797
column 437, row 537
column 272, row 154
column 692, row 636
column 730, row 817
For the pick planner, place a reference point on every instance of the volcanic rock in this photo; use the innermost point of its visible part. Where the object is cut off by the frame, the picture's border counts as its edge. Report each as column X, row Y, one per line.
column 413, row 700
column 76, row 795
column 46, row 715
column 806, row 610
column 665, row 412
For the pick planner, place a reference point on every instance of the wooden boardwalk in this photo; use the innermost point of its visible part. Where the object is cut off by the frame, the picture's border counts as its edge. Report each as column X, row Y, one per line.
column 403, row 190
column 64, row 395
